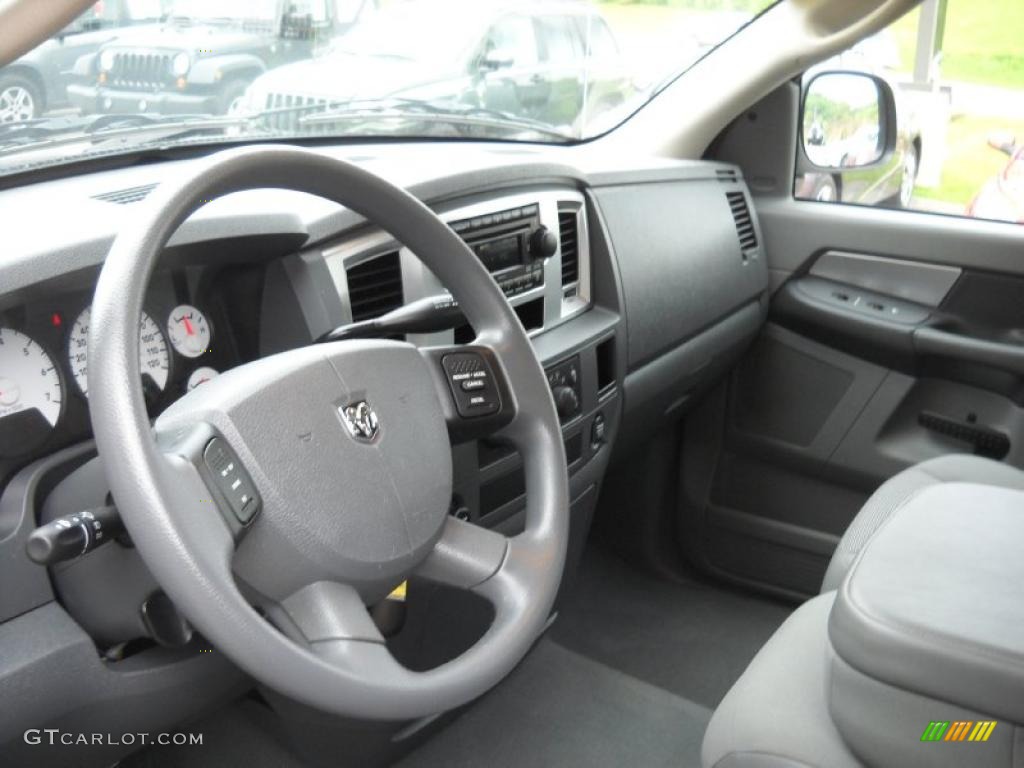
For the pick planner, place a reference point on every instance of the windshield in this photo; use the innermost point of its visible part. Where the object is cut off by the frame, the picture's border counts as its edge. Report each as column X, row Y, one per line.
column 158, row 74
column 215, row 10
column 412, row 32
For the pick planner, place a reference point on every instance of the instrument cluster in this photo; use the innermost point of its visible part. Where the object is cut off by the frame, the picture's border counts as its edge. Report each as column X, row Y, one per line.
column 44, row 361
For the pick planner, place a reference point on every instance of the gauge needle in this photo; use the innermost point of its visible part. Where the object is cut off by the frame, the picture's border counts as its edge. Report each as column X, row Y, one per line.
column 188, row 327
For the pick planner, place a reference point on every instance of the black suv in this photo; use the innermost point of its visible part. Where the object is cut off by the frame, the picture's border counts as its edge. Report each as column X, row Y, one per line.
column 199, row 60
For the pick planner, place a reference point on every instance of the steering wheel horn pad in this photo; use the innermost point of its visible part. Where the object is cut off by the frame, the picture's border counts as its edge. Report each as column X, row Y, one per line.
column 336, row 506
column 348, row 445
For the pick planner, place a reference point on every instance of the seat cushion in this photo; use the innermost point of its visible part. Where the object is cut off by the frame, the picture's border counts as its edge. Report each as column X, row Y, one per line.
column 933, row 604
column 891, row 495
column 777, row 713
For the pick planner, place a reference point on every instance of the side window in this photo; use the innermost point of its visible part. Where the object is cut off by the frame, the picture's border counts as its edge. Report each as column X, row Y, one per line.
column 514, row 40
column 314, row 10
column 558, row 37
column 597, row 38
column 956, row 69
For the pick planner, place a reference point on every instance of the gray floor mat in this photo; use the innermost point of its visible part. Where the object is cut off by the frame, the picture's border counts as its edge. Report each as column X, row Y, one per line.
column 691, row 638
column 627, row 676
column 562, row 709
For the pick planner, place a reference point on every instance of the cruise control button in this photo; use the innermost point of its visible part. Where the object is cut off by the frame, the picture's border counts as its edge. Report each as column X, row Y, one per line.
column 472, row 384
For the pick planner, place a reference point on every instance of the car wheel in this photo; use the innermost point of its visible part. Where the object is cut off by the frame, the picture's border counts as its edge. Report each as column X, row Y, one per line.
column 826, row 190
column 908, row 178
column 19, row 99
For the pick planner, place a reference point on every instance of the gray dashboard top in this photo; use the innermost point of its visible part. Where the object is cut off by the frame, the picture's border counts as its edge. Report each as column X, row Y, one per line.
column 57, row 227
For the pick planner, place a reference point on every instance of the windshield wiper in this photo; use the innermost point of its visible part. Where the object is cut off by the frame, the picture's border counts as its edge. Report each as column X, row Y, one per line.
column 401, row 108
column 57, row 132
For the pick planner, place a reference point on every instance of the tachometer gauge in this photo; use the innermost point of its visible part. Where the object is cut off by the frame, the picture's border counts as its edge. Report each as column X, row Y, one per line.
column 31, row 394
column 200, row 376
column 188, row 330
column 153, row 358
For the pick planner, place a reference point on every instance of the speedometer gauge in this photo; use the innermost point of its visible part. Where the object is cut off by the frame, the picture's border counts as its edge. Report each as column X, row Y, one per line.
column 154, row 361
column 31, row 395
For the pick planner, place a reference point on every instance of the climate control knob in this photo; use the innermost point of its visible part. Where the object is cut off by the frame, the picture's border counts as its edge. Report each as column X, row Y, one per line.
column 543, row 243
column 567, row 402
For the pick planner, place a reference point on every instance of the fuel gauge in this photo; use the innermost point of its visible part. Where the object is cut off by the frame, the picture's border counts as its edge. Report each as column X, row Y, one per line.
column 199, row 377
column 188, row 331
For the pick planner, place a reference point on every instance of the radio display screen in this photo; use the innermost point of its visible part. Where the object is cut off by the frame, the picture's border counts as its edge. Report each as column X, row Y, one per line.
column 500, row 254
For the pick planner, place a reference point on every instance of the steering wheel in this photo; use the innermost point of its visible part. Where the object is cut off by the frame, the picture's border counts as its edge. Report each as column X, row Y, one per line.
column 277, row 501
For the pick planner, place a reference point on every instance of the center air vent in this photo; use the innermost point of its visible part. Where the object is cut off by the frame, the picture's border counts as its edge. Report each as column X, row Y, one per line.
column 744, row 223
column 126, row 196
column 568, row 237
column 375, row 287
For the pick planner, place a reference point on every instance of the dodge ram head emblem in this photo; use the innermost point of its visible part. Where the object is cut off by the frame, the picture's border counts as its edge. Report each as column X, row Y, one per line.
column 360, row 420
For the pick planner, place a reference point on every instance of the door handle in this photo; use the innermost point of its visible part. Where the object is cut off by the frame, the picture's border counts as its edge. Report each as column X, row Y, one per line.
column 1005, row 356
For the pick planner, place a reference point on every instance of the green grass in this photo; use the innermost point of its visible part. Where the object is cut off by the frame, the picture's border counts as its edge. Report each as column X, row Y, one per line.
column 984, row 41
column 971, row 162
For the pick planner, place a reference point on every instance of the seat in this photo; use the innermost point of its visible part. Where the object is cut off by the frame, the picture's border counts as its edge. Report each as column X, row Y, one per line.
column 777, row 713
column 891, row 495
column 784, row 709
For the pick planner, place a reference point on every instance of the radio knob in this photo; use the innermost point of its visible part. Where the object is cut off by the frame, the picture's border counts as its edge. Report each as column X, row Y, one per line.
column 543, row 243
column 567, row 402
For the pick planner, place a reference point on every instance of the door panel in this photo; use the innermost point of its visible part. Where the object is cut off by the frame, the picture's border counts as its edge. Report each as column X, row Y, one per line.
column 893, row 337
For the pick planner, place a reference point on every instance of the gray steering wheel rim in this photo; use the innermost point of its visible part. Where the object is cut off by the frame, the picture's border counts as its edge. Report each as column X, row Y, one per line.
column 198, row 580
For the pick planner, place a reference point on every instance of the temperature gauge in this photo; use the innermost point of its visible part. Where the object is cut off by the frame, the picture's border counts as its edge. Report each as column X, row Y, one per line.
column 189, row 331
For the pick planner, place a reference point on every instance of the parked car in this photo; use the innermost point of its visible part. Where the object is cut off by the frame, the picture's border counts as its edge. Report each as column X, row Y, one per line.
column 202, row 57
column 556, row 63
column 1002, row 197
column 38, row 81
column 888, row 180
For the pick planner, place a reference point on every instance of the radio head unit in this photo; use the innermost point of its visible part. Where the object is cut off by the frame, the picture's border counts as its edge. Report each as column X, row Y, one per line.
column 512, row 245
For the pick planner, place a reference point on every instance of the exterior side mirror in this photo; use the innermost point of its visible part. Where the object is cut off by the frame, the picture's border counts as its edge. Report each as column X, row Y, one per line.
column 848, row 121
column 1004, row 141
column 499, row 58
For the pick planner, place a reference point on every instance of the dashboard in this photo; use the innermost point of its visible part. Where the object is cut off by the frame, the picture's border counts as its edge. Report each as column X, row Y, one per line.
column 639, row 285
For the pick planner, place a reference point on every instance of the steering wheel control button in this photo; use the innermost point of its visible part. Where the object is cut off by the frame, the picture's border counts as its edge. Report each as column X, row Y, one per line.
column 472, row 384
column 232, row 480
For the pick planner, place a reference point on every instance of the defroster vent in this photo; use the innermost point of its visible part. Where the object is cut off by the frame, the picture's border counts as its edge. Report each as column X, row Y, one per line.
column 568, row 237
column 744, row 222
column 375, row 286
column 126, row 196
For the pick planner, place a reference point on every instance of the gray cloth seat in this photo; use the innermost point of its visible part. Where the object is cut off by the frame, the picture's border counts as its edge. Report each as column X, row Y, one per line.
column 777, row 715
column 891, row 495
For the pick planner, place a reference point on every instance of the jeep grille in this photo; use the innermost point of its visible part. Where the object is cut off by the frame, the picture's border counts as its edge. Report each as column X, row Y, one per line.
column 141, row 71
column 289, row 120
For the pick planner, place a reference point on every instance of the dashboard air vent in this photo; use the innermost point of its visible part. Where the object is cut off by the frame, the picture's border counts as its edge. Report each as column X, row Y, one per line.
column 568, row 237
column 726, row 175
column 744, row 223
column 126, row 196
column 375, row 287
